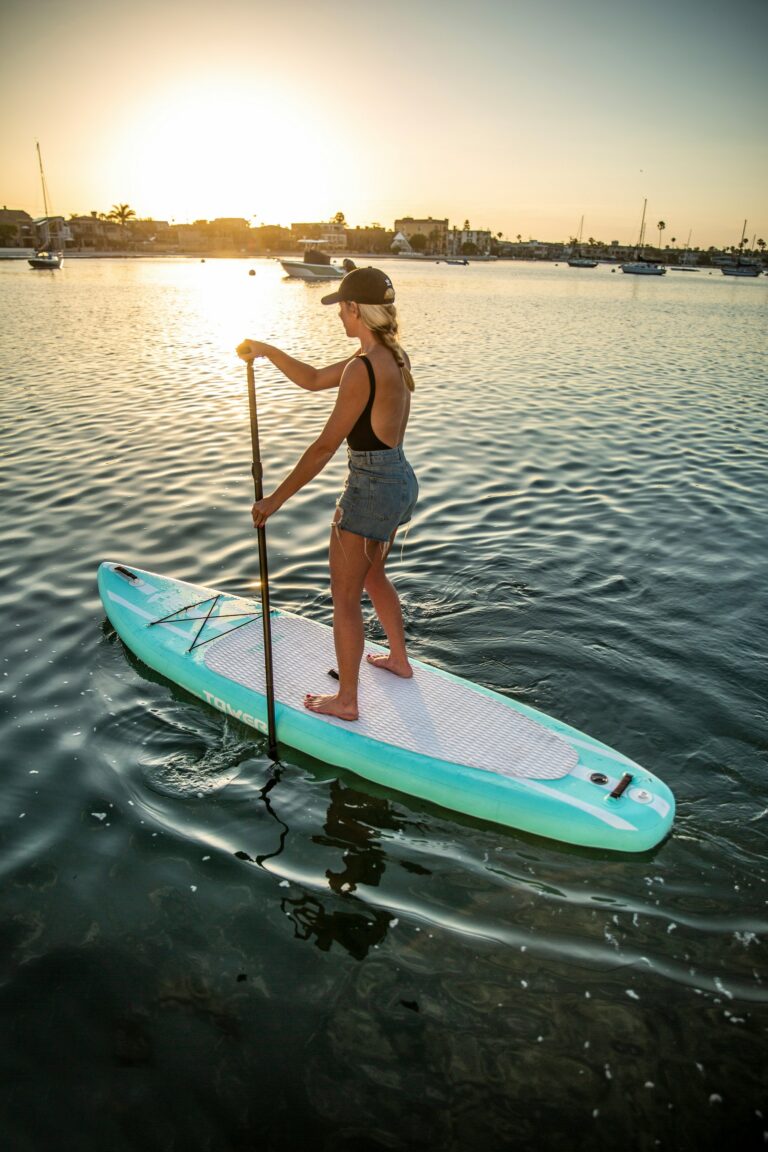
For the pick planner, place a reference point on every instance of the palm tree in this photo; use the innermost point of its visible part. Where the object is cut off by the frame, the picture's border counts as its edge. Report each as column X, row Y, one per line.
column 121, row 213
column 661, row 226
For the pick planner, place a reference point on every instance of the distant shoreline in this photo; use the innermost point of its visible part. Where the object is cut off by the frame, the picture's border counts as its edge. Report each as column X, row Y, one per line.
column 10, row 255
column 223, row 254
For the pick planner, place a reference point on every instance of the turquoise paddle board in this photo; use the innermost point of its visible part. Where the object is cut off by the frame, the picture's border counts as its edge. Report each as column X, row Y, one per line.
column 437, row 737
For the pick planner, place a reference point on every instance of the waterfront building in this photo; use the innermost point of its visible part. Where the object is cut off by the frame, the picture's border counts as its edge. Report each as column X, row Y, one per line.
column 17, row 229
column 334, row 235
column 435, row 231
column 95, row 232
column 477, row 239
column 223, row 235
column 329, row 231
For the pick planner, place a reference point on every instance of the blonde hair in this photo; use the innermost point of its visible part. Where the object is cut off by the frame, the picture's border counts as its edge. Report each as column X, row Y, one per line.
column 382, row 321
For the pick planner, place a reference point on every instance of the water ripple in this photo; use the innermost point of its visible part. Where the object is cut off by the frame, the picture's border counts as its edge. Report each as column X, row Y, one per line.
column 591, row 539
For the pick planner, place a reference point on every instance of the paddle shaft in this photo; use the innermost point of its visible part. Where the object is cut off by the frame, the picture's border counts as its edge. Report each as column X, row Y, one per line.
column 257, row 473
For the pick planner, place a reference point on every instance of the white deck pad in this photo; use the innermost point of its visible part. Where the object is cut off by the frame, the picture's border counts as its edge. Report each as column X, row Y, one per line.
column 428, row 714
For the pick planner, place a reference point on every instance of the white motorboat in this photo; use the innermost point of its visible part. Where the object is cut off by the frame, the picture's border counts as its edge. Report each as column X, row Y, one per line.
column 640, row 266
column 315, row 264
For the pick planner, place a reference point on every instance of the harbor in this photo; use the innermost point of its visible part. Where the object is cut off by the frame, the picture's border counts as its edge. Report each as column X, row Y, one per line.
column 199, row 951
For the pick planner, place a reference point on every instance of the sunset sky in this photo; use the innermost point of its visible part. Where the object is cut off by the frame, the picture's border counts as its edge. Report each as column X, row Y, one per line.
column 520, row 116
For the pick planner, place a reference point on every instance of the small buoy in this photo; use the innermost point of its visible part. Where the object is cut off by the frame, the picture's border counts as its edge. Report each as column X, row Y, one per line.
column 251, row 271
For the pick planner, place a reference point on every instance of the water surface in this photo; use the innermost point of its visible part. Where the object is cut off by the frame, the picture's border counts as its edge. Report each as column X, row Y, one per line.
column 199, row 954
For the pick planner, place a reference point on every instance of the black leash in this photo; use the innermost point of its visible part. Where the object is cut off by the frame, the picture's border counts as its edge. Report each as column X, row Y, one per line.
column 257, row 472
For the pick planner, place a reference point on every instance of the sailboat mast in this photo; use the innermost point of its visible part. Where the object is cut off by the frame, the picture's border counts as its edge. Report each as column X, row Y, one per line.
column 642, row 225
column 42, row 178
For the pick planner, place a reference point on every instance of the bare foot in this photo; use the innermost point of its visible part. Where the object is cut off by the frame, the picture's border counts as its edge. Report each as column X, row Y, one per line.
column 399, row 667
column 330, row 706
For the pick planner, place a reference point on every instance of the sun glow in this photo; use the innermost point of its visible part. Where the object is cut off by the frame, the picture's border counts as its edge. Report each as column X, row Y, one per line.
column 218, row 149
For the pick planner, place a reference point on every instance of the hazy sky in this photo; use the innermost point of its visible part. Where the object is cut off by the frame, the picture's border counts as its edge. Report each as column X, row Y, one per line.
column 520, row 116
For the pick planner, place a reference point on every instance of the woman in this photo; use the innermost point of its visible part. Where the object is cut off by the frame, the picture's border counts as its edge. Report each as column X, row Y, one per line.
column 371, row 413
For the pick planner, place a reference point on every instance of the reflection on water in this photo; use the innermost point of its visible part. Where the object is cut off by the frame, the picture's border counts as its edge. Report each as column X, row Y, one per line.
column 362, row 863
column 200, row 948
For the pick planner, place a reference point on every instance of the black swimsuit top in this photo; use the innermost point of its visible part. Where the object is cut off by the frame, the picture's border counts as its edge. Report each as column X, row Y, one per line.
column 362, row 437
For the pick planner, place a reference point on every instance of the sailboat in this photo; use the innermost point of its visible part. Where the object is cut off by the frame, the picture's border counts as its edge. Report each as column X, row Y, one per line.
column 576, row 260
column 741, row 266
column 50, row 255
column 640, row 266
column 687, row 259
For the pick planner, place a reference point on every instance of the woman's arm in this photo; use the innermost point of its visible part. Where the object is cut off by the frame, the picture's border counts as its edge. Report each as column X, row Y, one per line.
column 352, row 398
column 312, row 379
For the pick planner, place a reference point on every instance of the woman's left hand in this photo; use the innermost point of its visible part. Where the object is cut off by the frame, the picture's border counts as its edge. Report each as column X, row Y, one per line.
column 263, row 509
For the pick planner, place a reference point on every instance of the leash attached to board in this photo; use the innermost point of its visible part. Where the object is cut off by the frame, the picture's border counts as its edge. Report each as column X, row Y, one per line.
column 257, row 473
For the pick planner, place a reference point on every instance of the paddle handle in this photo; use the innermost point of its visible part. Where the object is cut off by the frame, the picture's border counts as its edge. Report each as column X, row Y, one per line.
column 266, row 622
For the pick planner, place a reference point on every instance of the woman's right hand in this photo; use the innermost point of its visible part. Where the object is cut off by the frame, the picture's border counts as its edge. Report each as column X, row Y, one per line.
column 252, row 349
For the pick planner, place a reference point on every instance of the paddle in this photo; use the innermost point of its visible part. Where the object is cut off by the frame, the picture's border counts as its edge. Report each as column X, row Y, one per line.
column 257, row 472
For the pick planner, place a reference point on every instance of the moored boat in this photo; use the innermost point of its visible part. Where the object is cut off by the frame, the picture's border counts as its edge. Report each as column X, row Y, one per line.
column 741, row 265
column 51, row 253
column 315, row 264
column 640, row 266
column 644, row 268
column 577, row 259
column 740, row 268
column 45, row 259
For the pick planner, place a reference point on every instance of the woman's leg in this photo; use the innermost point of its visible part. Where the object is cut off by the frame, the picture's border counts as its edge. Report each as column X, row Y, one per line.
column 350, row 559
column 386, row 603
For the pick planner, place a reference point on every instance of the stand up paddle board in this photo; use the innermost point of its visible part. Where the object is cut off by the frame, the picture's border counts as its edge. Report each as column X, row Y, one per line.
column 437, row 737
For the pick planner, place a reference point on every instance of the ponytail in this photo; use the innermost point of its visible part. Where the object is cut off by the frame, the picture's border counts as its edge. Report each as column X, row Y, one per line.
column 382, row 321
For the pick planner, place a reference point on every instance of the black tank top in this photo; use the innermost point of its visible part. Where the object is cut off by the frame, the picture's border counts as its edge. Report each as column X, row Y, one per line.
column 362, row 437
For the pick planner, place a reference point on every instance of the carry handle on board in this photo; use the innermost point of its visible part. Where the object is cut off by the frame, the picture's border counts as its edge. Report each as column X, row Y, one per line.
column 256, row 472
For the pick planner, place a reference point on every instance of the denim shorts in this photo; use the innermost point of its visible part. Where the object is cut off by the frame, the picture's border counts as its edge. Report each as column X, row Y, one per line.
column 379, row 495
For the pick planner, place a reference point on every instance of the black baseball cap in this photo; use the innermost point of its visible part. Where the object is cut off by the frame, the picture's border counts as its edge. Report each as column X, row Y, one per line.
column 363, row 286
